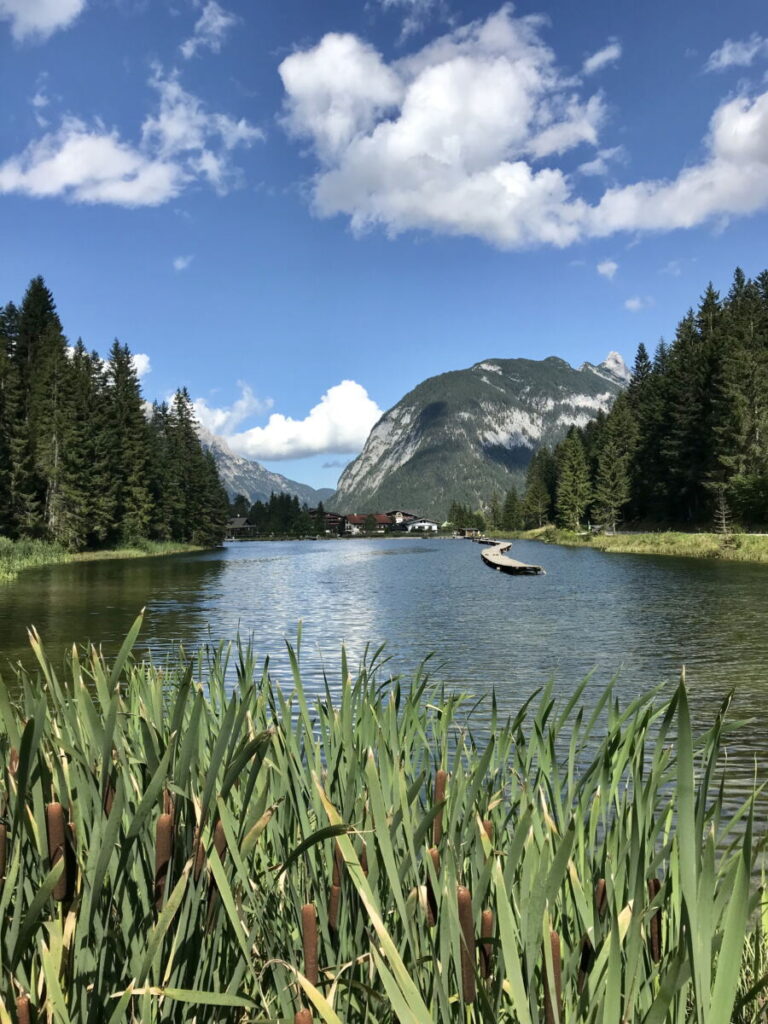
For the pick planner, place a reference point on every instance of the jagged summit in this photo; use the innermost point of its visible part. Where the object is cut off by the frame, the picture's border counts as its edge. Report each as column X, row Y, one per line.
column 465, row 434
column 612, row 368
column 256, row 482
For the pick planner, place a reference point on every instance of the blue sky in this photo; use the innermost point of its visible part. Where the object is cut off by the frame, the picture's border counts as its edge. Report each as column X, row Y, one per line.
column 299, row 210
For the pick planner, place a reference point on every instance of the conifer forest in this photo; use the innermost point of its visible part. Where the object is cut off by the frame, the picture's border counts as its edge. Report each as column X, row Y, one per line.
column 686, row 443
column 84, row 462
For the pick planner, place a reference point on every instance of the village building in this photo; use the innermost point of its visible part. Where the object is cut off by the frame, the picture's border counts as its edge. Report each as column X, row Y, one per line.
column 422, row 526
column 371, row 522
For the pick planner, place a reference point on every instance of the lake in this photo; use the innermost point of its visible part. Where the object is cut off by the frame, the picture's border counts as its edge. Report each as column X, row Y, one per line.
column 639, row 616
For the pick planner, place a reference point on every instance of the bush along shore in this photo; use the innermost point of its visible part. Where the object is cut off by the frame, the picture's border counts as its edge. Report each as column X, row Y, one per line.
column 15, row 556
column 176, row 849
column 733, row 547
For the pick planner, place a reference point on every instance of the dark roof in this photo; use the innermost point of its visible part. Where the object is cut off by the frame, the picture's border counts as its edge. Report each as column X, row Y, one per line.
column 238, row 523
column 359, row 520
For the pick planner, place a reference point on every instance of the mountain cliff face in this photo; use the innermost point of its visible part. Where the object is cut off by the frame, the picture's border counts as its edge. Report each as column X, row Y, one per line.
column 463, row 435
column 256, row 482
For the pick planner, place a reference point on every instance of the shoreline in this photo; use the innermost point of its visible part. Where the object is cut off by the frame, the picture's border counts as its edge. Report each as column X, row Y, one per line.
column 16, row 556
column 734, row 547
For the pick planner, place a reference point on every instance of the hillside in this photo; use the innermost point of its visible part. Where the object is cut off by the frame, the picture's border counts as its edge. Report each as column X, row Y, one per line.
column 465, row 434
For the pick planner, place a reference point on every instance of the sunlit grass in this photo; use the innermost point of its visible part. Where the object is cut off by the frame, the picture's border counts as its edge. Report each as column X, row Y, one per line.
column 15, row 556
column 254, row 854
column 735, row 547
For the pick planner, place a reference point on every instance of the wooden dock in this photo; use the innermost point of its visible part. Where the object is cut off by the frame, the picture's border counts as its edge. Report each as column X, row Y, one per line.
column 495, row 558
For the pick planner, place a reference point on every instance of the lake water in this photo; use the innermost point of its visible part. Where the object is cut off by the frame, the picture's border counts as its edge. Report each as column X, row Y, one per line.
column 640, row 616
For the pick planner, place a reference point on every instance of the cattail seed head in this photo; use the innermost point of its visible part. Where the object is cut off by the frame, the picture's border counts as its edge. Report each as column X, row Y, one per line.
column 303, row 1017
column 198, row 851
column 601, row 897
column 54, row 819
column 554, row 983
column 333, row 907
column 309, row 941
column 364, row 859
column 431, row 897
column 23, row 1010
column 441, row 780
column 488, row 826
column 338, row 863
column 163, row 855
column 654, row 934
column 13, row 762
column 220, row 840
column 486, row 949
column 466, row 925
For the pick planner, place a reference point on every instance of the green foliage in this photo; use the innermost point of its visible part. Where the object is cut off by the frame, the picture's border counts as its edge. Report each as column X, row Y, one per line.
column 281, row 516
column 80, row 465
column 276, row 799
column 574, row 491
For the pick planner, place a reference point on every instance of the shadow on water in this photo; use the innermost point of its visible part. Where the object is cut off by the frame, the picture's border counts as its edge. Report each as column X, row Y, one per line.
column 640, row 616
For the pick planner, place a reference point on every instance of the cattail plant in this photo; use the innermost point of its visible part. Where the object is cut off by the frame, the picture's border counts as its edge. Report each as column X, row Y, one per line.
column 467, row 940
column 163, row 856
column 601, row 897
column 553, row 985
column 309, row 942
column 3, row 848
column 23, row 1010
column 335, row 896
column 486, row 948
column 654, row 931
column 57, row 838
column 303, row 1017
column 198, row 853
column 441, row 781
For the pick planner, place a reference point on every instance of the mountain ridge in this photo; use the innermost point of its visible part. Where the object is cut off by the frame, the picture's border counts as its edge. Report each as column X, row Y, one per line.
column 464, row 434
column 245, row 476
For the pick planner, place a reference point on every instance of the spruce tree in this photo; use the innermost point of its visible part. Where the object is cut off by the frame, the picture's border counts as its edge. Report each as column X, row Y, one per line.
column 130, row 448
column 573, row 483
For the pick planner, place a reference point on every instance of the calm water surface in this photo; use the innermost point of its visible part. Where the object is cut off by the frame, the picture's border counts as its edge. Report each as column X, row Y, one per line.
column 640, row 616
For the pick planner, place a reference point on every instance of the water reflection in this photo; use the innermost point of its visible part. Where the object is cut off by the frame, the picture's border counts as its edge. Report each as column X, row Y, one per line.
column 643, row 617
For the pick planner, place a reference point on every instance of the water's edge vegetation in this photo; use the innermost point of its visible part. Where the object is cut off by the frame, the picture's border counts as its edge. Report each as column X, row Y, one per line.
column 733, row 547
column 175, row 848
column 15, row 556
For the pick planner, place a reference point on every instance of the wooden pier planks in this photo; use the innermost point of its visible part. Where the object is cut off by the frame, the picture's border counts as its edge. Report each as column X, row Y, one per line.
column 495, row 558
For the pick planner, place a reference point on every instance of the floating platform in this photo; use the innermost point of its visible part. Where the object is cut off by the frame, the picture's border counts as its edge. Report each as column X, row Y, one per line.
column 495, row 558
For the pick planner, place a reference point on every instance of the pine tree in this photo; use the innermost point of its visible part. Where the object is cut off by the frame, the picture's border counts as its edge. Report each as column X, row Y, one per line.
column 512, row 512
column 573, row 484
column 129, row 446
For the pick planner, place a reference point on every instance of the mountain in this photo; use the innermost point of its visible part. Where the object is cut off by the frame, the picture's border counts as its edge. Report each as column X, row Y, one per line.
column 242, row 476
column 465, row 434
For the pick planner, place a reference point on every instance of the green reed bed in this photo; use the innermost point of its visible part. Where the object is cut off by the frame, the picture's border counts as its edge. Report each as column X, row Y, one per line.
column 177, row 850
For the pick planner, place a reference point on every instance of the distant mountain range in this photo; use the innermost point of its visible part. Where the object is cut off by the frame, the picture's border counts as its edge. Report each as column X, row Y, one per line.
column 463, row 435
column 256, row 482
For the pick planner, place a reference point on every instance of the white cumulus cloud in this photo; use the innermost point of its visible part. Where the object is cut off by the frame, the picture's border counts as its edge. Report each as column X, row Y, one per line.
column 182, row 143
column 141, row 363
column 608, row 55
column 464, row 137
column 226, row 421
column 607, row 268
column 182, row 262
column 416, row 13
column 210, row 31
column 636, row 303
column 338, row 424
column 738, row 53
column 39, row 18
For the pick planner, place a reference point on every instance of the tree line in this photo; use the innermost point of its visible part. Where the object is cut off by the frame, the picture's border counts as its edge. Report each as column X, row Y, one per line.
column 83, row 460
column 282, row 515
column 686, row 443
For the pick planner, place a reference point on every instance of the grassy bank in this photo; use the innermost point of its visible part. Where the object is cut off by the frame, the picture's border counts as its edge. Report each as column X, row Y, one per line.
column 736, row 547
column 15, row 556
column 176, row 851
